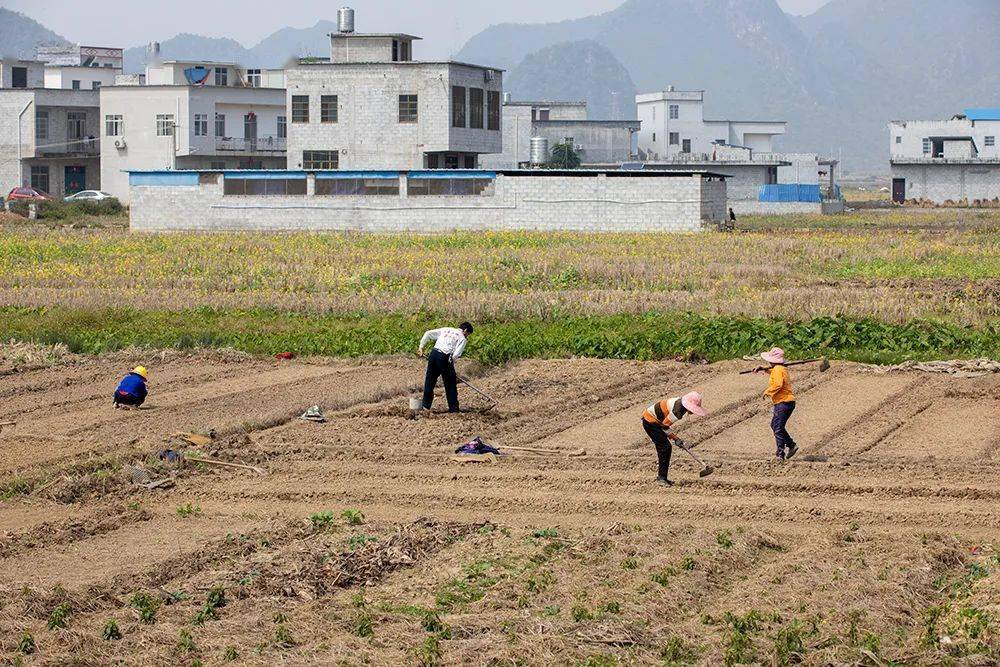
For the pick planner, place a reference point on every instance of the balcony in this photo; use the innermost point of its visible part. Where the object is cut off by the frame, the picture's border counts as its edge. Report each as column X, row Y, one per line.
column 87, row 147
column 261, row 145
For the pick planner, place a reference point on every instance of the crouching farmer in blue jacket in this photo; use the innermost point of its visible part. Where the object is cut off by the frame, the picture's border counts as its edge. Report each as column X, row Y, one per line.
column 131, row 392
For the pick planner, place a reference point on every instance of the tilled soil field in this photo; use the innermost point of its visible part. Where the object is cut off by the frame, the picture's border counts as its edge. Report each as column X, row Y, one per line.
column 365, row 543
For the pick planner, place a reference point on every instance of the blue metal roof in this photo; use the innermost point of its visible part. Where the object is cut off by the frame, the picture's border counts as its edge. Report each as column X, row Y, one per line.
column 982, row 114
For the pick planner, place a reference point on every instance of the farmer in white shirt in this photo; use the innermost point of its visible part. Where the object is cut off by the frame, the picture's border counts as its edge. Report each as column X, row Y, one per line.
column 449, row 345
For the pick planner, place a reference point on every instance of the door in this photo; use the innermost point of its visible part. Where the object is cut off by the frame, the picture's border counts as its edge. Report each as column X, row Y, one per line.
column 250, row 131
column 899, row 190
column 18, row 77
column 76, row 180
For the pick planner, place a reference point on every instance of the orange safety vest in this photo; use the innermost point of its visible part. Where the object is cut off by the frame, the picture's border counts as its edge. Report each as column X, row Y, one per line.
column 661, row 412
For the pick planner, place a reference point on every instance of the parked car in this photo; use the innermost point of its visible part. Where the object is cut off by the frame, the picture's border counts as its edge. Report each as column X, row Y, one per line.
column 88, row 195
column 29, row 194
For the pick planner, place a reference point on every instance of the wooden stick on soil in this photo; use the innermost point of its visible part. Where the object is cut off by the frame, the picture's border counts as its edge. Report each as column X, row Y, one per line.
column 225, row 464
column 550, row 452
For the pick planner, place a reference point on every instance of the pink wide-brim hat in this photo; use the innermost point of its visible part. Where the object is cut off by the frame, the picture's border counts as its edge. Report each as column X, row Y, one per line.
column 775, row 356
column 692, row 403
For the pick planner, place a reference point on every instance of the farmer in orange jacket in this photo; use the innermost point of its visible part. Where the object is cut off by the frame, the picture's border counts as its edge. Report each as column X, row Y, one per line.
column 779, row 391
column 657, row 420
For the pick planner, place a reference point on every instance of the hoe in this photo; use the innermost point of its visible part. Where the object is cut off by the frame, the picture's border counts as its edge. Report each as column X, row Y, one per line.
column 824, row 365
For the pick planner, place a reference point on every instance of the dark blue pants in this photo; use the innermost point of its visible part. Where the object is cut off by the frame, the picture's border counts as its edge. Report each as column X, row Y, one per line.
column 126, row 398
column 782, row 412
column 439, row 365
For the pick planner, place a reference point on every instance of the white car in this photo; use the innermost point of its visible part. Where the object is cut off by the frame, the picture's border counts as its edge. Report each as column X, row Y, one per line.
column 88, row 195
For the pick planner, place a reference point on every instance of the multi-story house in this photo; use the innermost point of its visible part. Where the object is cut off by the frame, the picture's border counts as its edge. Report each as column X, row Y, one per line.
column 192, row 115
column 955, row 160
column 371, row 106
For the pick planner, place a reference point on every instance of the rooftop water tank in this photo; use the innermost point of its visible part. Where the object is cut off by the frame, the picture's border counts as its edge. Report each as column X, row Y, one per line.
column 539, row 151
column 345, row 20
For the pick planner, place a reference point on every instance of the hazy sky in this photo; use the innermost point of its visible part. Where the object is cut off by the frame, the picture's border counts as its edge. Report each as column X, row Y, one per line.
column 445, row 24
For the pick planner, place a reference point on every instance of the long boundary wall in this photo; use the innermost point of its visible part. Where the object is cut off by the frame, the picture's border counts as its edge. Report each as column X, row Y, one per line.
column 941, row 182
column 585, row 201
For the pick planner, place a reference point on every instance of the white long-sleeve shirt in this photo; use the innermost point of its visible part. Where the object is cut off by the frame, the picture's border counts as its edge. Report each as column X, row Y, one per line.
column 451, row 341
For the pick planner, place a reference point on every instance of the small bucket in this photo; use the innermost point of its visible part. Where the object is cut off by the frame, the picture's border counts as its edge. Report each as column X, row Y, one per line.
column 416, row 404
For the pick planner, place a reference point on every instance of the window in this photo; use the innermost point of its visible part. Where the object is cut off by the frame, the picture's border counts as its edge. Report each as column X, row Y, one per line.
column 328, row 109
column 686, row 148
column 114, row 126
column 282, row 127
column 221, row 76
column 400, row 51
column 493, row 110
column 407, row 108
column 675, row 111
column 927, row 147
column 164, row 124
column 899, row 140
column 40, row 177
column 300, row 108
column 476, row 108
column 432, row 161
column 334, row 187
column 253, row 78
column 76, row 84
column 450, row 186
column 675, row 138
column 217, row 165
column 990, row 141
column 76, row 125
column 654, row 137
column 543, row 114
column 457, row 106
column 220, row 124
column 470, row 161
column 319, row 160
column 18, row 77
column 250, row 126
column 268, row 187
column 201, row 125
column 95, row 85
column 41, row 125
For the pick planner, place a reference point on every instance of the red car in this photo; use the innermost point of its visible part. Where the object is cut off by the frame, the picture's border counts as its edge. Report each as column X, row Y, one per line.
column 30, row 194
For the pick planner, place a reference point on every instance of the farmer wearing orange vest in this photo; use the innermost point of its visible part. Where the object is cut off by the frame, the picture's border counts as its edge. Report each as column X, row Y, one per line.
column 657, row 420
column 779, row 391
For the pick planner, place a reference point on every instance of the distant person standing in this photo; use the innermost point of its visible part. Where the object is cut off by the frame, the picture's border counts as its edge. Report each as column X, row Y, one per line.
column 449, row 345
column 731, row 225
column 779, row 391
column 132, row 391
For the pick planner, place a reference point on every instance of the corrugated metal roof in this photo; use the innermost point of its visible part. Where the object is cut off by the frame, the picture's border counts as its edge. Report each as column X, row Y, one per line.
column 982, row 114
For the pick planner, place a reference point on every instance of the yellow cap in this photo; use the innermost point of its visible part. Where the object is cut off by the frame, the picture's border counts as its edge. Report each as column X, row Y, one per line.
column 141, row 370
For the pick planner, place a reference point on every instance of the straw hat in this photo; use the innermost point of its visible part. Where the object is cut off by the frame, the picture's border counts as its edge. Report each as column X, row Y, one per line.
column 775, row 356
column 692, row 403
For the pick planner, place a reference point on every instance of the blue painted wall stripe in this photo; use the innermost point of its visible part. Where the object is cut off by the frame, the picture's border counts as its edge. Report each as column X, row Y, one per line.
column 264, row 175
column 328, row 175
column 448, row 174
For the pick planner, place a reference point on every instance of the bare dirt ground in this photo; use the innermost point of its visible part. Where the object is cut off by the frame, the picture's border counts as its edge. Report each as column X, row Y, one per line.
column 876, row 545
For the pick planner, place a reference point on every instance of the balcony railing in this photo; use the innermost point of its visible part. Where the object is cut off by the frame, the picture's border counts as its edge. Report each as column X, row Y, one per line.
column 258, row 145
column 87, row 147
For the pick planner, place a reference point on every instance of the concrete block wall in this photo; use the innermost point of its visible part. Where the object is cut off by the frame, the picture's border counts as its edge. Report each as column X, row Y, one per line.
column 942, row 182
column 591, row 203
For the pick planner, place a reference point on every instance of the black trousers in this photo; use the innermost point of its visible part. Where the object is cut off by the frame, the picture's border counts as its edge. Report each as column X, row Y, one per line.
column 664, row 447
column 127, row 399
column 439, row 365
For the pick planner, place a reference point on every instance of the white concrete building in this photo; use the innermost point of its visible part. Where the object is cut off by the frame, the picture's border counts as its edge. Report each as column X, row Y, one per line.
column 191, row 116
column 954, row 160
column 49, row 139
column 371, row 106
column 76, row 77
column 598, row 142
column 674, row 124
column 76, row 55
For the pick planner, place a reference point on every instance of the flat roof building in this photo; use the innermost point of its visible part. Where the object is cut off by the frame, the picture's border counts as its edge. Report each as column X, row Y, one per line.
column 597, row 142
column 371, row 106
column 942, row 161
column 191, row 115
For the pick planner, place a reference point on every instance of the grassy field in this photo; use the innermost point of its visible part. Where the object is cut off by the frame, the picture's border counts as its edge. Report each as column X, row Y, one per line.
column 892, row 284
